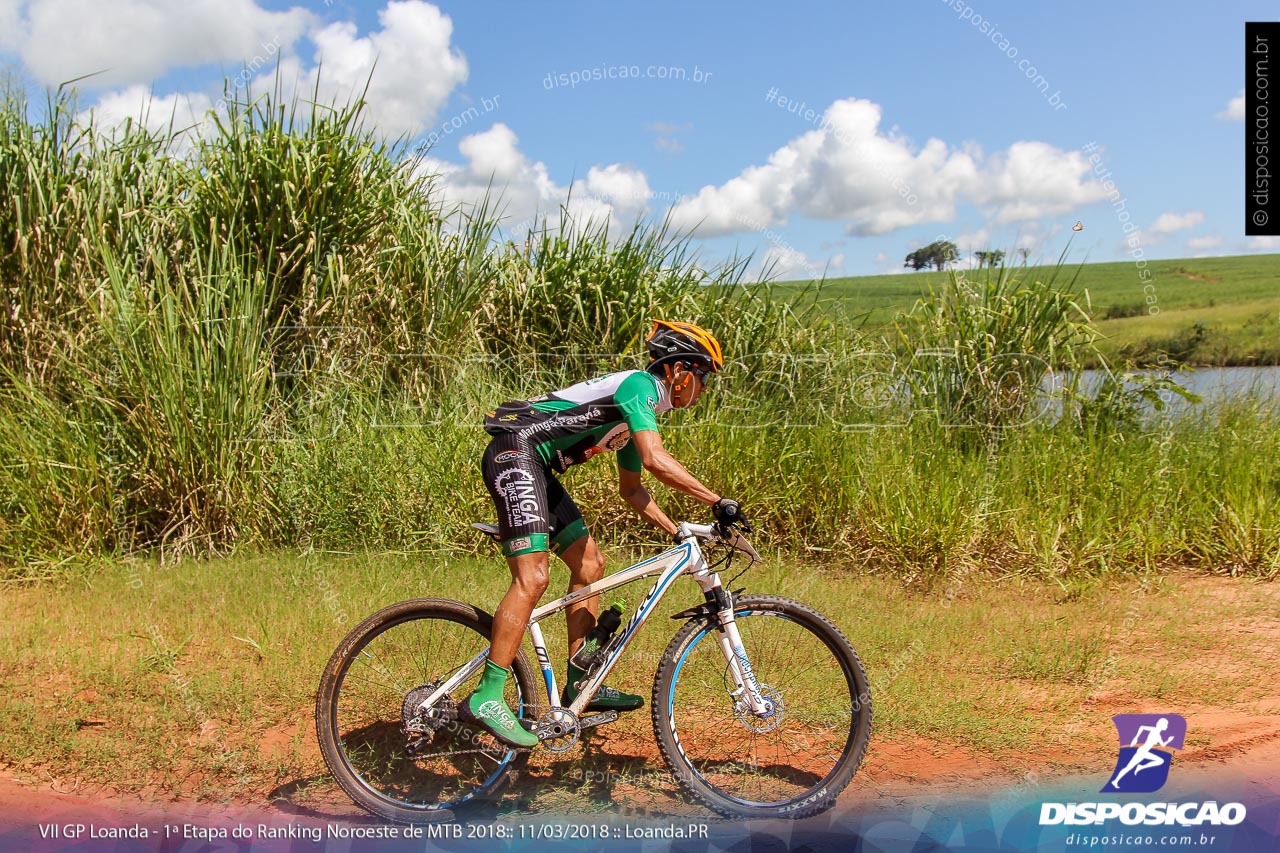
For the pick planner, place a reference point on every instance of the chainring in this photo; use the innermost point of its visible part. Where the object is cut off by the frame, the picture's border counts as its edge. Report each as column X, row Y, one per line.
column 558, row 729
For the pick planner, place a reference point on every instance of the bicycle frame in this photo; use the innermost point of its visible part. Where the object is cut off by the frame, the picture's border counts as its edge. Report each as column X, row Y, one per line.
column 684, row 559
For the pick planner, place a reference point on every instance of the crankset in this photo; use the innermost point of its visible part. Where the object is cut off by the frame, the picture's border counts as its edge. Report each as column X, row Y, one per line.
column 558, row 729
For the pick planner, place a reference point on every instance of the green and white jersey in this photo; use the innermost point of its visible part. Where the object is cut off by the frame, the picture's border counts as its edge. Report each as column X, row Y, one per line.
column 569, row 426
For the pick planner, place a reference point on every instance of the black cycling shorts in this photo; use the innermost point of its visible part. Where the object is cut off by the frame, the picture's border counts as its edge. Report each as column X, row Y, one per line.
column 535, row 513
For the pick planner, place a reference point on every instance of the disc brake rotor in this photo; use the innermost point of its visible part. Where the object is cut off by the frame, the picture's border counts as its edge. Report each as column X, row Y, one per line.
column 770, row 720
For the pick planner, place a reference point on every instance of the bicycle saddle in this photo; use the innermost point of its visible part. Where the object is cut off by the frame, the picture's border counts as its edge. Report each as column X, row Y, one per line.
column 490, row 530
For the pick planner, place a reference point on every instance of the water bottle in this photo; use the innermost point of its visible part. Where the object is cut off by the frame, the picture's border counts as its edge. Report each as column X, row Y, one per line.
column 598, row 637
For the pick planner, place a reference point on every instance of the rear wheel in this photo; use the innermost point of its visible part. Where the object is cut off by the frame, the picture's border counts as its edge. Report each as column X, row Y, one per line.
column 792, row 762
column 392, row 759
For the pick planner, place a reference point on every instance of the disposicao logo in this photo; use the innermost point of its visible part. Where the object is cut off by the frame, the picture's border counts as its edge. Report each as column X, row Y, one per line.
column 1147, row 742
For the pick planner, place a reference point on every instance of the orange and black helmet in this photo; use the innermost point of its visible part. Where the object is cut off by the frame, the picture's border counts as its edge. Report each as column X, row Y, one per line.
column 671, row 341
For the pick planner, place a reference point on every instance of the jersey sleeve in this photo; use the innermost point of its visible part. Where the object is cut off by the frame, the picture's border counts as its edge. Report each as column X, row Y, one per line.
column 637, row 397
column 629, row 457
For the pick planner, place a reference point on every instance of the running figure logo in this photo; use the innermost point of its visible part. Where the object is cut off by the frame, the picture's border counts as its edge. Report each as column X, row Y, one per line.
column 1146, row 741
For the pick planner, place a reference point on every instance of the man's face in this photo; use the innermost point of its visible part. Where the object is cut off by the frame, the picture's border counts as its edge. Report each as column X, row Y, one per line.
column 687, row 385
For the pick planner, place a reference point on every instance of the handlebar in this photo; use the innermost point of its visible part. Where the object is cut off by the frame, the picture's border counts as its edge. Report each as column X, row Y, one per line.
column 712, row 533
column 702, row 532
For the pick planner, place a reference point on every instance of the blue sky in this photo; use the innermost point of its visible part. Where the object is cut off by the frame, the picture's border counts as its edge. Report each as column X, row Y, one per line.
column 924, row 125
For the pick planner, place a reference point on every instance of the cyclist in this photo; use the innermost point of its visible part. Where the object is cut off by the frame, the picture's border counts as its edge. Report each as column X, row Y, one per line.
column 533, row 440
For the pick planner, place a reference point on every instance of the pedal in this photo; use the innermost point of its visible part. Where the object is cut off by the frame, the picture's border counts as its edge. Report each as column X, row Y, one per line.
column 592, row 720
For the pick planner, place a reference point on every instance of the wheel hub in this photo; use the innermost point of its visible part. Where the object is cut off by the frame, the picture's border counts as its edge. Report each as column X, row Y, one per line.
column 775, row 710
column 421, row 725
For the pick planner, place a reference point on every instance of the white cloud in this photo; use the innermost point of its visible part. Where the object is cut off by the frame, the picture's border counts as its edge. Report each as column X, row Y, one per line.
column 1235, row 108
column 11, row 27
column 1262, row 244
column 974, row 241
column 667, row 133
column 1032, row 180
column 416, row 70
column 1168, row 223
column 416, row 66
column 158, row 114
column 624, row 188
column 784, row 263
column 1203, row 243
column 888, row 266
column 1031, row 235
column 1032, row 239
column 878, row 181
column 135, row 41
column 496, row 166
column 669, row 128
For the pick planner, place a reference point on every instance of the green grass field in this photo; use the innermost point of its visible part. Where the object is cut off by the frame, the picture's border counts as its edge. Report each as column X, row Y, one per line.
column 1235, row 301
column 199, row 678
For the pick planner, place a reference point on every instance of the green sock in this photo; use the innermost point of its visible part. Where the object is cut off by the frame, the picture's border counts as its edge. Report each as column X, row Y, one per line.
column 493, row 683
column 572, row 676
column 489, row 706
column 606, row 699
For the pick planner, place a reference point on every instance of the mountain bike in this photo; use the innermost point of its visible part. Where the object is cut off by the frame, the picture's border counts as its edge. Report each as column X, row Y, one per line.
column 760, row 706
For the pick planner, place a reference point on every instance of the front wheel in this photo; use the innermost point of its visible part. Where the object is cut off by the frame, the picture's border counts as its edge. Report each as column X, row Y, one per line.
column 791, row 763
column 393, row 757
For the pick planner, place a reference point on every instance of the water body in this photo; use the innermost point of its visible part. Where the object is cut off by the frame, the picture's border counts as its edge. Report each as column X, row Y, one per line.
column 1212, row 384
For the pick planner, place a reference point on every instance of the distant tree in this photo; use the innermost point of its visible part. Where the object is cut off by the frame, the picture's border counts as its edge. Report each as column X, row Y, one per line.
column 943, row 253
column 989, row 258
column 918, row 260
column 938, row 254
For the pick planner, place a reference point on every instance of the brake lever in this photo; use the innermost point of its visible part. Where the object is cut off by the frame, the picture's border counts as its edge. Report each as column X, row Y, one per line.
column 737, row 542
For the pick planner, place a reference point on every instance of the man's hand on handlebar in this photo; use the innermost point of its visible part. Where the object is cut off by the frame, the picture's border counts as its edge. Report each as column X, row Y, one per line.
column 728, row 513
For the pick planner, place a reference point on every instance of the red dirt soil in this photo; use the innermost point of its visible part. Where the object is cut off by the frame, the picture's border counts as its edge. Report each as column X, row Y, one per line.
column 1241, row 748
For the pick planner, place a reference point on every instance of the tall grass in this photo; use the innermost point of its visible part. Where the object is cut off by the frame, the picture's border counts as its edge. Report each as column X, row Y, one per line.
column 979, row 349
column 280, row 334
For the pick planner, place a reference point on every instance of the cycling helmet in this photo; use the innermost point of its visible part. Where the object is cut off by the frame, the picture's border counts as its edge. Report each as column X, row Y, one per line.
column 671, row 341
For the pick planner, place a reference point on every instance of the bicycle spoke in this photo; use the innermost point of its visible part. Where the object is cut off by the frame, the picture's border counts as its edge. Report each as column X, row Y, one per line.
column 387, row 687
column 368, row 656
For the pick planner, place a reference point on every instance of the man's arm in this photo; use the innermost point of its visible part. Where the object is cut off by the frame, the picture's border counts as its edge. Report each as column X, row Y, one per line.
column 635, row 494
column 666, row 469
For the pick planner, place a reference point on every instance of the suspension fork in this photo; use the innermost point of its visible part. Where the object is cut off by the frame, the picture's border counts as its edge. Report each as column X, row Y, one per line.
column 746, row 689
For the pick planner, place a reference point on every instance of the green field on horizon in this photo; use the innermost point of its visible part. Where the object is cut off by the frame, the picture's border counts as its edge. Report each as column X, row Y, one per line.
column 1222, row 310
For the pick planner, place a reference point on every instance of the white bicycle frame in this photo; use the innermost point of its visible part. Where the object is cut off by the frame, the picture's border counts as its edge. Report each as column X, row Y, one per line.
column 684, row 559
